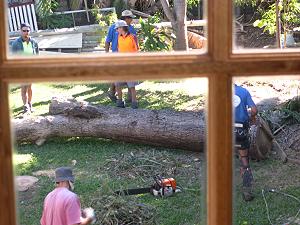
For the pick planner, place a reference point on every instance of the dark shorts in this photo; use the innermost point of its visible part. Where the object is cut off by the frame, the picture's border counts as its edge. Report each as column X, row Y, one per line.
column 241, row 132
column 24, row 85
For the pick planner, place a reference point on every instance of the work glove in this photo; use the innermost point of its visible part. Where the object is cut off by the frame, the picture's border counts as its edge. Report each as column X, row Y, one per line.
column 89, row 213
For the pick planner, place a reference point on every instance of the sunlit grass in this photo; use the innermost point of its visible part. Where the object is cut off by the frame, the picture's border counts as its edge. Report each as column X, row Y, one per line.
column 22, row 158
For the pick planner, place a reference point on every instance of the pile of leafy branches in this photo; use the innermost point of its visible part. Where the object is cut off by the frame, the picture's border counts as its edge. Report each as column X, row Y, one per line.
column 112, row 209
column 143, row 165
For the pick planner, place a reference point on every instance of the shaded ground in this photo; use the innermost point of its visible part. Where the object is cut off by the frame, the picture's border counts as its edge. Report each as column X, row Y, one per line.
column 253, row 37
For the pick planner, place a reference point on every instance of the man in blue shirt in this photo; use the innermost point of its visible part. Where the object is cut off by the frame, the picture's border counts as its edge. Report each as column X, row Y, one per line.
column 242, row 101
column 112, row 42
column 112, row 35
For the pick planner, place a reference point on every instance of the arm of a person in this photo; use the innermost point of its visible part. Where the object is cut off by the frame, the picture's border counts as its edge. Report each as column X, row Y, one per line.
column 14, row 47
column 135, row 43
column 85, row 221
column 253, row 108
column 109, row 38
column 107, row 45
column 37, row 48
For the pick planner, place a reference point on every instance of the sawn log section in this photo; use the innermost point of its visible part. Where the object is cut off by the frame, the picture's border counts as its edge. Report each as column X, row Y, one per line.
column 69, row 118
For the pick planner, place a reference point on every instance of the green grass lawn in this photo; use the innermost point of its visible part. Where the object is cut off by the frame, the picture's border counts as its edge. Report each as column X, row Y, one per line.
column 103, row 165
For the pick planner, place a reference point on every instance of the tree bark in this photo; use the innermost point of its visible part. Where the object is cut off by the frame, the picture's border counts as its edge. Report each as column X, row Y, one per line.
column 177, row 17
column 166, row 128
column 180, row 9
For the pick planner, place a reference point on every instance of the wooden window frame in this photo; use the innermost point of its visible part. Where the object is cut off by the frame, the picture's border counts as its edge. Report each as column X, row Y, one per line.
column 219, row 65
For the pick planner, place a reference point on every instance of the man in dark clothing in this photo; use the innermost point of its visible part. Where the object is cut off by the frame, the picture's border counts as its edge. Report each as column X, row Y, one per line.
column 26, row 46
column 242, row 101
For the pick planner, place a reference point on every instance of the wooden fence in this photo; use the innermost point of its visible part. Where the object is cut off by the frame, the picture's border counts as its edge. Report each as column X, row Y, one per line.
column 21, row 12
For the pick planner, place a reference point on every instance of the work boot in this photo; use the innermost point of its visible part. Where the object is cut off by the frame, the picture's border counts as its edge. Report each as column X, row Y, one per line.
column 247, row 184
column 26, row 109
column 30, row 107
column 112, row 96
column 134, row 105
column 120, row 103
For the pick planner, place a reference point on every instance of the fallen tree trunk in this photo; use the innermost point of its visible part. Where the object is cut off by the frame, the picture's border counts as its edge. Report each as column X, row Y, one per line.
column 166, row 128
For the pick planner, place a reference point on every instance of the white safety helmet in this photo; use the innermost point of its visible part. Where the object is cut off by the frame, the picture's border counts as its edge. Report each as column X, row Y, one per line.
column 120, row 23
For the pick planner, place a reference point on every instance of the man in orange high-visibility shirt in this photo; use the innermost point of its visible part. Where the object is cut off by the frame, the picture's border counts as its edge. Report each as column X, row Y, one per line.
column 127, row 42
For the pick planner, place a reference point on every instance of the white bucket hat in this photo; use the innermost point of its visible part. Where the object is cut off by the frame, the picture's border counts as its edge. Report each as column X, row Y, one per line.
column 120, row 23
column 127, row 13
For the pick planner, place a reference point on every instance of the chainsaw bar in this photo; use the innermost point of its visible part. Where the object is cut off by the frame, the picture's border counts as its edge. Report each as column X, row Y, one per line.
column 134, row 191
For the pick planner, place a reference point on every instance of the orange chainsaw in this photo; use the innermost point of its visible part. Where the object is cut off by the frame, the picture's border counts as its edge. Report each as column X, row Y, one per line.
column 163, row 187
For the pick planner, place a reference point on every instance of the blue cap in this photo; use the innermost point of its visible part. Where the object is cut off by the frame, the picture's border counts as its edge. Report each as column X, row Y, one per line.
column 25, row 25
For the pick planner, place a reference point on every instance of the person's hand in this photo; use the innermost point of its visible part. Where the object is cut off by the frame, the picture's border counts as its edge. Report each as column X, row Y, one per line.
column 89, row 213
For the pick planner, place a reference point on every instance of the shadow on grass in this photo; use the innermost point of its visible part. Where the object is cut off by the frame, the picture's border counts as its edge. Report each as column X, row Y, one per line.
column 62, row 86
column 95, row 88
column 13, row 90
column 164, row 99
column 19, row 110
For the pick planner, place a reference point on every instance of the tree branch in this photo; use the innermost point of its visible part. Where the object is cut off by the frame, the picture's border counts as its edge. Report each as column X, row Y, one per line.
column 166, row 7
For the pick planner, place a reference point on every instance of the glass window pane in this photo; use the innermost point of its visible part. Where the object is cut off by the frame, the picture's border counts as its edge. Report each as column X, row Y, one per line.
column 266, row 24
column 161, row 131
column 95, row 27
column 266, row 153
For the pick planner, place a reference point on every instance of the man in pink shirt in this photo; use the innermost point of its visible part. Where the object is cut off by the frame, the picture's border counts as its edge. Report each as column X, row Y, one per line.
column 62, row 206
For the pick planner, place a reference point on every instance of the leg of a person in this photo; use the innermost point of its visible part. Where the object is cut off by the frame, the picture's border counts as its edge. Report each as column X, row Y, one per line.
column 24, row 95
column 133, row 94
column 129, row 98
column 119, row 92
column 244, row 158
column 119, row 102
column 112, row 89
column 29, row 92
column 132, row 91
column 112, row 92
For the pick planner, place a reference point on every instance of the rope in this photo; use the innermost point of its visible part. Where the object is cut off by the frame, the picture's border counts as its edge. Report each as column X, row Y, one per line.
column 284, row 194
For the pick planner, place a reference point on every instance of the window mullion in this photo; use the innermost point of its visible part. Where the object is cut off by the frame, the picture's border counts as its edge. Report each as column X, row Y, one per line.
column 3, row 30
column 7, row 191
column 219, row 150
column 220, row 29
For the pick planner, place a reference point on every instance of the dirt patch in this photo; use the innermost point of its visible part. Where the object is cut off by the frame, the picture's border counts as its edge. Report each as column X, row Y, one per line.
column 46, row 173
column 26, row 187
column 253, row 37
column 23, row 183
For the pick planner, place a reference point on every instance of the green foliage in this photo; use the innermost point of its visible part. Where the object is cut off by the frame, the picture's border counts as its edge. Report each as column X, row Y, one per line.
column 120, row 5
column 289, row 16
column 268, row 20
column 104, row 20
column 291, row 111
column 192, row 3
column 45, row 8
column 48, row 20
column 252, row 3
column 57, row 21
column 152, row 38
